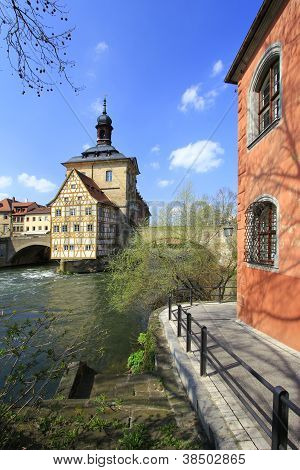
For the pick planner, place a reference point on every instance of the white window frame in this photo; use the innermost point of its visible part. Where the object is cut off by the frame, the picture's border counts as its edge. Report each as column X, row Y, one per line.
column 108, row 176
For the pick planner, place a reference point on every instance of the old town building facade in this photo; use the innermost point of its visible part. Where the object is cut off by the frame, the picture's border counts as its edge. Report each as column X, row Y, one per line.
column 23, row 218
column 98, row 203
column 266, row 70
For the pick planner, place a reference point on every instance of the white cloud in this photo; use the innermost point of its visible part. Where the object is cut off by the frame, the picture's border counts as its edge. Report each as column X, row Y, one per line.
column 217, row 68
column 3, row 196
column 191, row 99
column 165, row 183
column 155, row 149
column 42, row 185
column 101, row 47
column 200, row 156
column 5, row 181
column 97, row 106
column 86, row 146
column 155, row 165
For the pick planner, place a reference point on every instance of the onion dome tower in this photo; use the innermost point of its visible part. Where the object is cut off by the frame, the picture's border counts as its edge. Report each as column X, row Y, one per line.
column 104, row 127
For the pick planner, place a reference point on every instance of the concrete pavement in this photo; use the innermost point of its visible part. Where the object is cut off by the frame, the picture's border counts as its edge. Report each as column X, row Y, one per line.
column 277, row 363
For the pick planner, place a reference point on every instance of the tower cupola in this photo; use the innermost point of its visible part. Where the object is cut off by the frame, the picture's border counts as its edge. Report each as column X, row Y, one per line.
column 104, row 127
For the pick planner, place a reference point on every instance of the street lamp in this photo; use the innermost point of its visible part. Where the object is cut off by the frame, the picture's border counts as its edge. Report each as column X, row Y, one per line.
column 228, row 230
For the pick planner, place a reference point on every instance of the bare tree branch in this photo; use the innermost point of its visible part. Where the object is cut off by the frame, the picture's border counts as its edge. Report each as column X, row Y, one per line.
column 34, row 50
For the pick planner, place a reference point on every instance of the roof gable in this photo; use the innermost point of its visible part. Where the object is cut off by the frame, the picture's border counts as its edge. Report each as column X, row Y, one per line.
column 88, row 184
column 6, row 205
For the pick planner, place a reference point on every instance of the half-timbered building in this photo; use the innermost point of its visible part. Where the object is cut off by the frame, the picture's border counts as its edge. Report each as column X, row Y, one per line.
column 98, row 203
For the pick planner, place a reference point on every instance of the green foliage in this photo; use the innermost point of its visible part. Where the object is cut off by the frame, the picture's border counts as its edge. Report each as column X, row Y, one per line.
column 145, row 272
column 187, row 249
column 135, row 438
column 135, row 361
column 168, row 439
column 143, row 360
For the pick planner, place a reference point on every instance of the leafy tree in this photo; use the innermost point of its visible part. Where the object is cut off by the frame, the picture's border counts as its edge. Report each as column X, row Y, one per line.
column 188, row 250
column 35, row 45
column 145, row 272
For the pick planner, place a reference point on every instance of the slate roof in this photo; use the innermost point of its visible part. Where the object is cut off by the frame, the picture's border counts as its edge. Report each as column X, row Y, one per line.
column 100, row 153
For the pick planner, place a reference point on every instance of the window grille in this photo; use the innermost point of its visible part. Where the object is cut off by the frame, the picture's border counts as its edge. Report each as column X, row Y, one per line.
column 261, row 233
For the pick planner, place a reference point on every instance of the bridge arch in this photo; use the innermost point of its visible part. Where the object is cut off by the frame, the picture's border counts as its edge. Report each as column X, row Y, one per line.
column 34, row 253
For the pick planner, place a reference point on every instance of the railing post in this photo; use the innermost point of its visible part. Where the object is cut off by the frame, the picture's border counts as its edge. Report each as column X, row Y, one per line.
column 220, row 294
column 280, row 419
column 188, row 331
column 170, row 306
column 191, row 296
column 203, row 351
column 179, row 317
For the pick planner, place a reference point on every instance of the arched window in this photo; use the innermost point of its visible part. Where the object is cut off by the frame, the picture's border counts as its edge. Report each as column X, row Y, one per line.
column 269, row 97
column 264, row 100
column 108, row 175
column 102, row 134
column 261, row 233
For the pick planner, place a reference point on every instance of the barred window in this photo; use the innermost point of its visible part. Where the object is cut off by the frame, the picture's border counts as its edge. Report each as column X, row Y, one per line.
column 261, row 233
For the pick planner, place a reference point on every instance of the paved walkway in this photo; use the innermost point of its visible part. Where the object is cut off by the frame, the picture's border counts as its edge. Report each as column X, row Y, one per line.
column 277, row 363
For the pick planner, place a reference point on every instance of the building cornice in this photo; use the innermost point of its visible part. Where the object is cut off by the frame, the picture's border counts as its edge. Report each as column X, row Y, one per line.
column 265, row 17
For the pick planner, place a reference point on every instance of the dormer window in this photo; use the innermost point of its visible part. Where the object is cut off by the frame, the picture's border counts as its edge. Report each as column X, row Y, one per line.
column 108, row 175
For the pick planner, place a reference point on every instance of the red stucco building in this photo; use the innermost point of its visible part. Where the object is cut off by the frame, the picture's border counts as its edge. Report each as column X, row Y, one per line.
column 267, row 73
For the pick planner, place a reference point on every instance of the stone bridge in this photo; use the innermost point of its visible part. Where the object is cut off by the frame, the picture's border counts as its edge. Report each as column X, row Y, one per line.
column 24, row 249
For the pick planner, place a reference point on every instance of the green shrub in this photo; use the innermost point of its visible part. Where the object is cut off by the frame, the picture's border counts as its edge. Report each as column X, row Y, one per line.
column 135, row 362
column 143, row 360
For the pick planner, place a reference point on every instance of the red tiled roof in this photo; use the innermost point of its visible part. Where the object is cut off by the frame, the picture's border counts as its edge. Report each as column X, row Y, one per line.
column 39, row 210
column 6, row 205
column 94, row 189
column 24, row 206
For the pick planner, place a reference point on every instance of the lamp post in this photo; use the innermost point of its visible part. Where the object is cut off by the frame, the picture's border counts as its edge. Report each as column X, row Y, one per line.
column 228, row 230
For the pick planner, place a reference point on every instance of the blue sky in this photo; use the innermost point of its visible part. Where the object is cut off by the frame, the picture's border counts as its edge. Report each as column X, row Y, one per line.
column 161, row 65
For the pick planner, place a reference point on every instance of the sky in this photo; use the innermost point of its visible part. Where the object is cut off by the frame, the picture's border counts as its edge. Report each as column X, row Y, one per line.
column 161, row 65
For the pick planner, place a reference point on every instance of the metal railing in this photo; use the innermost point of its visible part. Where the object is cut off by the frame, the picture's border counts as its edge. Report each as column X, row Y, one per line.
column 208, row 293
column 275, row 426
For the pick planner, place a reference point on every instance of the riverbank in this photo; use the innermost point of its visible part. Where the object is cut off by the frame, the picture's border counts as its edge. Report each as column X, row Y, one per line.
column 123, row 411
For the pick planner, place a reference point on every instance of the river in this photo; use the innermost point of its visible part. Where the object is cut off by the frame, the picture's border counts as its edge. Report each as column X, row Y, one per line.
column 31, row 290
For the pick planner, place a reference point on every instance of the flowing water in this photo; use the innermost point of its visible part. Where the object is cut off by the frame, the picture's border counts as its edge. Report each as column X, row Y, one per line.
column 83, row 299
